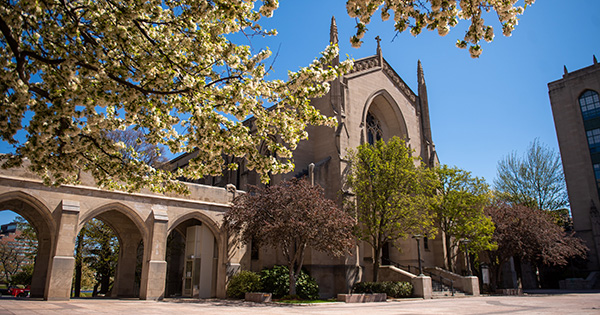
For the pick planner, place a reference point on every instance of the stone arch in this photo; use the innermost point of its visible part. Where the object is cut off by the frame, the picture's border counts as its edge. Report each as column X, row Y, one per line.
column 180, row 257
column 385, row 108
column 211, row 224
column 132, row 233
column 40, row 217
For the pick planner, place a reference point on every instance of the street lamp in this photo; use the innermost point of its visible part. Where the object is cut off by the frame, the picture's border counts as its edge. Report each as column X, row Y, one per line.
column 466, row 241
column 418, row 238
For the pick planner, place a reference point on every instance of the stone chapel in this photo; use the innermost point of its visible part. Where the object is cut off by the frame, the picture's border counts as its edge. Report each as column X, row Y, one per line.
column 172, row 245
column 371, row 102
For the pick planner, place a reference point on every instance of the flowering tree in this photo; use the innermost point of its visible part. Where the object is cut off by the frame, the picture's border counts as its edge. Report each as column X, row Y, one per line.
column 393, row 195
column 292, row 215
column 439, row 15
column 73, row 70
column 529, row 234
column 459, row 211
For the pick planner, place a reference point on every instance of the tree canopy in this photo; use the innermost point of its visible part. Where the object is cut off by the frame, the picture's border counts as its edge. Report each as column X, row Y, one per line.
column 459, row 210
column 530, row 234
column 293, row 216
column 440, row 15
column 74, row 70
column 394, row 193
column 536, row 179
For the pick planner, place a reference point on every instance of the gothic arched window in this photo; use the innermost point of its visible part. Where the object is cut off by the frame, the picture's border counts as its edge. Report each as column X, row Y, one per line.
column 374, row 133
column 590, row 104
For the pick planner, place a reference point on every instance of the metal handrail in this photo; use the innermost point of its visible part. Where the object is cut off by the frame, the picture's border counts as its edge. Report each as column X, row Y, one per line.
column 428, row 273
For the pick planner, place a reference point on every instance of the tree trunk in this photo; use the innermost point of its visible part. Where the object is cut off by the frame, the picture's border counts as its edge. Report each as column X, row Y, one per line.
column 449, row 262
column 105, row 283
column 292, row 279
column 78, row 265
column 376, row 263
column 95, row 291
column 519, row 271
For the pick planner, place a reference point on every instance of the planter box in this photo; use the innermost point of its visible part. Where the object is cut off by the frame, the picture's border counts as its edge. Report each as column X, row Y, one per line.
column 510, row 291
column 258, row 297
column 362, row 297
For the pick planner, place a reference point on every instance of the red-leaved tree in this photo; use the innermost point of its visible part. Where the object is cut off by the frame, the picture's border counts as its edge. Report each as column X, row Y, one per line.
column 292, row 215
column 531, row 235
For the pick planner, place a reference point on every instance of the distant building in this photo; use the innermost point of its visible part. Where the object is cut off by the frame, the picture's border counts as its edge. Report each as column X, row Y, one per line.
column 6, row 229
column 11, row 243
column 576, row 108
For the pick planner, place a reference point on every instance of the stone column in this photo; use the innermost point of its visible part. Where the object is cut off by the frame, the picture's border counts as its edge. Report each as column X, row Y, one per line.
column 60, row 270
column 422, row 287
column 470, row 285
column 154, row 268
column 40, row 269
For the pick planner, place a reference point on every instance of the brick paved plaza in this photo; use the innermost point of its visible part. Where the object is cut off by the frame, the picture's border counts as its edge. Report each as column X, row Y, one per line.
column 573, row 303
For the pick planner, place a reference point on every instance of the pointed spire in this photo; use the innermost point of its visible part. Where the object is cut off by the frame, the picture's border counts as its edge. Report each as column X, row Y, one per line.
column 595, row 60
column 333, row 32
column 565, row 70
column 333, row 40
column 428, row 148
column 420, row 74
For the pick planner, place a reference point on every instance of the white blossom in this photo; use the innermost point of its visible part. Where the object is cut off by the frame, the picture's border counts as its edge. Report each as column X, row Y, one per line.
column 87, row 67
column 441, row 15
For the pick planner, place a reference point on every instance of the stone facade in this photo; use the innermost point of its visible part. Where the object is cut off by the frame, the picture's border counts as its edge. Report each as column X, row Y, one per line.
column 138, row 219
column 576, row 110
column 372, row 102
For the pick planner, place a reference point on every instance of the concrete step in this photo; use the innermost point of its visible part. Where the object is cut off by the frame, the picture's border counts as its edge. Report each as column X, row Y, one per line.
column 446, row 294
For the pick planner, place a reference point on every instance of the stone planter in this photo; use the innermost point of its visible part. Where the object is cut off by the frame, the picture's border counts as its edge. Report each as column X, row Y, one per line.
column 258, row 297
column 509, row 291
column 362, row 297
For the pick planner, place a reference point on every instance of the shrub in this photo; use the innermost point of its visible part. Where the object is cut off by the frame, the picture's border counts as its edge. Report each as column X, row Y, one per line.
column 276, row 280
column 242, row 282
column 392, row 289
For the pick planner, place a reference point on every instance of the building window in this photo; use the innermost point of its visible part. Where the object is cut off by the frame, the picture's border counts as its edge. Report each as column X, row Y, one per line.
column 597, row 173
column 374, row 133
column 590, row 104
column 593, row 137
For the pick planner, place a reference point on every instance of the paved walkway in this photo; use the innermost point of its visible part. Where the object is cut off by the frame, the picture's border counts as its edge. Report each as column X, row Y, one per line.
column 570, row 303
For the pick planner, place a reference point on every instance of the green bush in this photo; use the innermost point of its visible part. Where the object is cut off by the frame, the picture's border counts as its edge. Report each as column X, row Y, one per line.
column 392, row 289
column 242, row 282
column 276, row 280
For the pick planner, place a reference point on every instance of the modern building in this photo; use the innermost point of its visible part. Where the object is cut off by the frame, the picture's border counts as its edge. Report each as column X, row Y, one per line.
column 576, row 108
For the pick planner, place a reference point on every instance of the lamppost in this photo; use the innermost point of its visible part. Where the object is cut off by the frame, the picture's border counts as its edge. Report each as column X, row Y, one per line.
column 466, row 241
column 418, row 238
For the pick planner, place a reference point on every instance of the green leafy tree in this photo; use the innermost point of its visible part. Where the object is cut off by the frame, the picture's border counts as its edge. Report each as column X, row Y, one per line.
column 440, row 15
column 292, row 216
column 460, row 212
column 393, row 194
column 536, row 179
column 83, row 68
column 99, row 248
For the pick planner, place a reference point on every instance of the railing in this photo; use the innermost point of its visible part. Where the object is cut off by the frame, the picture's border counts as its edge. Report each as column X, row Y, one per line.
column 438, row 281
column 438, row 286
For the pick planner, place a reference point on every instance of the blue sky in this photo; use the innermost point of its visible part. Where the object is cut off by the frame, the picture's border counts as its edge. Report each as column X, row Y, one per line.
column 481, row 109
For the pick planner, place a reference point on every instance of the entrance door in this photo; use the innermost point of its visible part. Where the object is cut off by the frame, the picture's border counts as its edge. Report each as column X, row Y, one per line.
column 198, row 276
